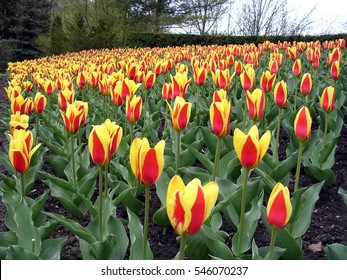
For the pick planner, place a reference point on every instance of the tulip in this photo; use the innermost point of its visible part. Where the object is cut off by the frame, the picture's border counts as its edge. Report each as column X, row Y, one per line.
column 27, row 86
column 293, row 53
column 247, row 78
column 255, row 104
column 335, row 70
column 40, row 103
column 18, row 122
column 278, row 211
column 73, row 117
column 302, row 130
column 273, row 66
column 199, row 75
column 133, row 108
column 147, row 165
column 149, row 80
column 13, row 91
column 238, row 67
column 167, row 91
column 219, row 95
column 22, row 105
column 249, row 149
column 80, row 105
column 220, row 113
column 302, row 124
column 327, row 103
column 81, row 79
column 116, row 97
column 127, row 88
column 49, row 87
column 180, row 113
column 103, row 142
column 280, row 97
column 20, row 153
column 93, row 79
column 65, row 96
column 222, row 79
column 297, row 69
column 180, row 84
column 188, row 207
column 267, row 81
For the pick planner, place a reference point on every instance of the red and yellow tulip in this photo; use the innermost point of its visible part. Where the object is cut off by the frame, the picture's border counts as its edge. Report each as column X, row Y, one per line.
column 267, row 81
column 180, row 113
column 297, row 69
column 255, row 104
column 306, row 84
column 21, row 151
column 327, row 99
column 279, row 207
column 103, row 142
column 220, row 113
column 167, row 91
column 18, row 122
column 40, row 102
column 249, row 148
column 149, row 80
column 247, row 78
column 199, row 75
column 280, row 94
column 73, row 117
column 222, row 79
column 133, row 108
column 146, row 163
column 180, row 85
column 188, row 207
column 81, row 79
column 219, row 95
column 302, row 124
column 335, row 70
column 65, row 96
column 22, row 105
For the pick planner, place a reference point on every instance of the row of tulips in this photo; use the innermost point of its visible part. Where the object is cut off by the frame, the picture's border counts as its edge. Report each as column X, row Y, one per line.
column 101, row 79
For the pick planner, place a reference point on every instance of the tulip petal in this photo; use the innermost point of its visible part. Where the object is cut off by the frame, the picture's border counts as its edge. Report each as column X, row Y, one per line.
column 210, row 194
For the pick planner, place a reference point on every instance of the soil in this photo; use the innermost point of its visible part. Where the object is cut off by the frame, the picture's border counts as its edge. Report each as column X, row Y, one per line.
column 328, row 224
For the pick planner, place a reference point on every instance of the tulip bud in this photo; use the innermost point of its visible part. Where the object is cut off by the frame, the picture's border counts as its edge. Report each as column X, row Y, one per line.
column 297, row 69
column 167, row 91
column 133, row 108
column 255, row 104
column 247, row 78
column 188, row 207
column 81, row 79
column 306, row 84
column 149, row 80
column 220, row 113
column 267, row 81
column 279, row 207
column 280, row 94
column 65, row 96
column 146, row 163
column 327, row 99
column 73, row 117
column 249, row 149
column 18, row 122
column 199, row 75
column 180, row 113
column 219, row 95
column 40, row 103
column 302, row 124
column 335, row 70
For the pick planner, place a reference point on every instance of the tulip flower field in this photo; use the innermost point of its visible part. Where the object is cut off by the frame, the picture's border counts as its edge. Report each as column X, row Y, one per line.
column 211, row 147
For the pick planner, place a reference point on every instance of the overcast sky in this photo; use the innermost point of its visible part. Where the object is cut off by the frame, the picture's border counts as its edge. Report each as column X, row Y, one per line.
column 330, row 16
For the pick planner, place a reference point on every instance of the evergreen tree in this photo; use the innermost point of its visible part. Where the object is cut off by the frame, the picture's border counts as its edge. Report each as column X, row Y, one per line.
column 57, row 37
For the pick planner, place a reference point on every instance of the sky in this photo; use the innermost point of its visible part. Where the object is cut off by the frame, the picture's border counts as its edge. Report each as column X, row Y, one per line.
column 329, row 16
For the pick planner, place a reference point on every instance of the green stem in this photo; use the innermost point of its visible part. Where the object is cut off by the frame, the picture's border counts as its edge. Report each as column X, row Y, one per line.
column 277, row 134
column 216, row 159
column 79, row 139
column 33, row 245
column 178, row 151
column 326, row 127
column 272, row 243
column 73, row 161
column 243, row 207
column 36, row 128
column 106, row 180
column 146, row 102
column 298, row 166
column 104, row 111
column 165, row 120
column 100, row 204
column 197, row 97
column 145, row 224
column 22, row 185
column 304, row 100
column 131, row 132
column 116, row 114
column 244, row 115
column 182, row 247
column 295, row 92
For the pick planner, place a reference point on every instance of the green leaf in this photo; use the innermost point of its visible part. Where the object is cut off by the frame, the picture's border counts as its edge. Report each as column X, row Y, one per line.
column 136, row 239
column 196, row 248
column 51, row 248
column 26, row 231
column 319, row 175
column 196, row 172
column 160, row 217
column 58, row 163
column 16, row 252
column 204, row 160
column 250, row 223
column 8, row 238
column 336, row 251
column 74, row 227
column 216, row 246
column 343, row 194
column 303, row 205
column 87, row 183
column 210, row 139
column 47, row 229
column 284, row 167
column 56, row 181
column 39, row 203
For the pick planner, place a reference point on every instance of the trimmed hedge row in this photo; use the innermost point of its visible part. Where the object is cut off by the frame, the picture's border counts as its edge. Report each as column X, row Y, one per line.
column 163, row 40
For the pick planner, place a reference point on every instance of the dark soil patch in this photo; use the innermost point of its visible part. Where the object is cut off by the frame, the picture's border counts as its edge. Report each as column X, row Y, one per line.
column 328, row 225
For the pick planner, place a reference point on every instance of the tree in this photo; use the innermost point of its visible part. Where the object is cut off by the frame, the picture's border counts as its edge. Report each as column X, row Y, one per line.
column 269, row 17
column 202, row 15
column 57, row 37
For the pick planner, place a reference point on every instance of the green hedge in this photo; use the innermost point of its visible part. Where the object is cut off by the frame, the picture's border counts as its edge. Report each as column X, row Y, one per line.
column 163, row 40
